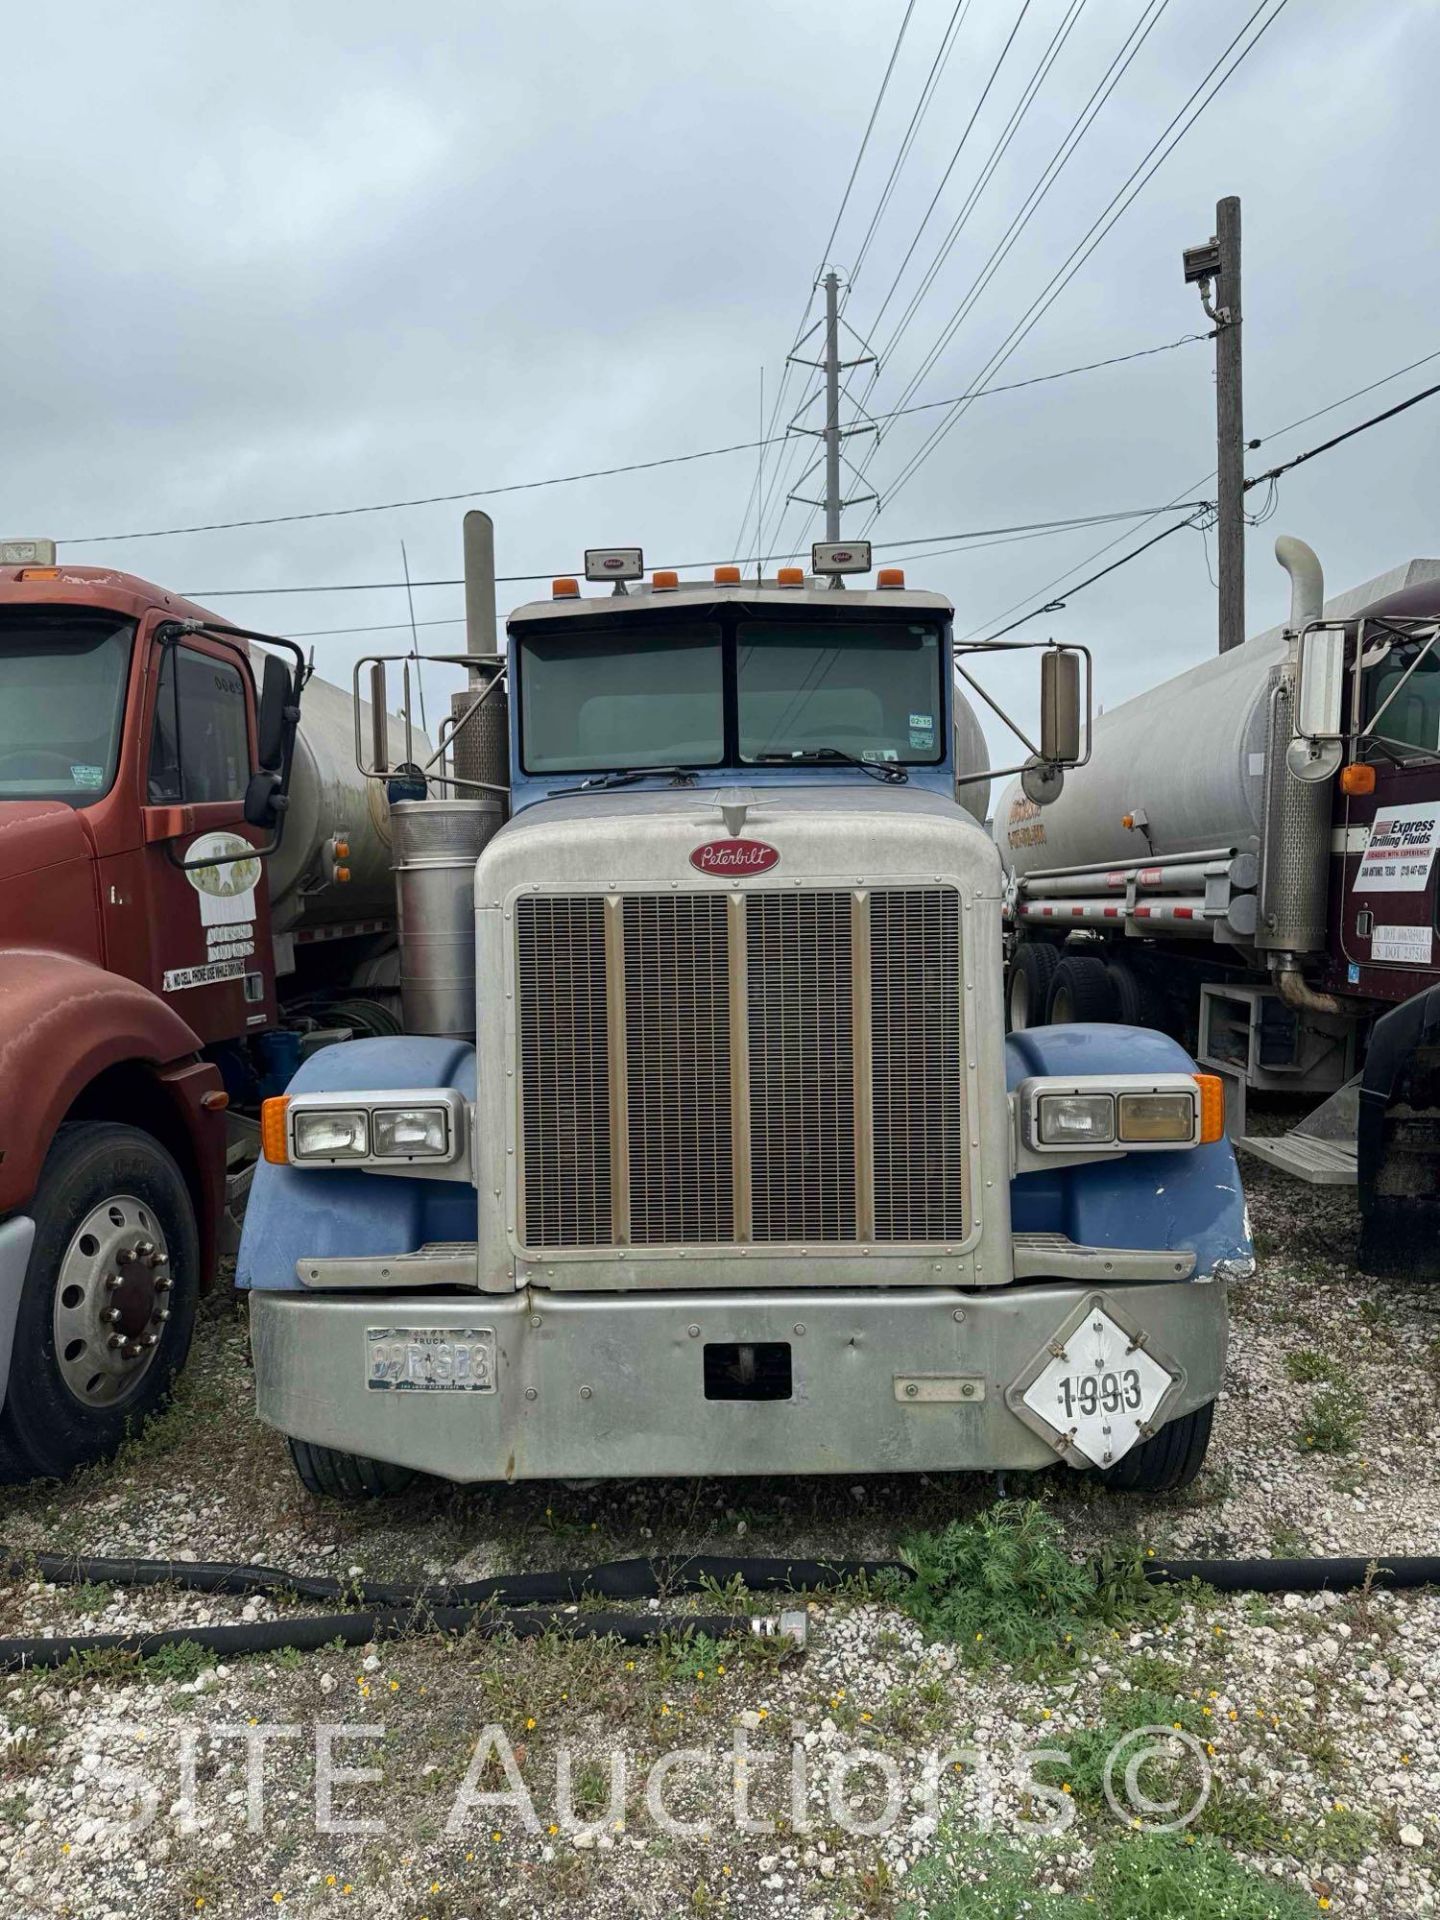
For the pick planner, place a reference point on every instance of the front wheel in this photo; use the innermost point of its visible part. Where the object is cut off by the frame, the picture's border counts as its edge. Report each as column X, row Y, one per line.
column 333, row 1475
column 108, row 1305
column 1166, row 1462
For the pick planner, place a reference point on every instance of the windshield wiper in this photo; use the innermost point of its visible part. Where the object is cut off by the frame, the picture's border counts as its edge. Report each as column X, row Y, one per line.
column 682, row 776
column 888, row 770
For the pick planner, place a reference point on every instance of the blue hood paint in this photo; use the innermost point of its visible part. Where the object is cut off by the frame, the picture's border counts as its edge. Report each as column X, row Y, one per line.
column 1191, row 1200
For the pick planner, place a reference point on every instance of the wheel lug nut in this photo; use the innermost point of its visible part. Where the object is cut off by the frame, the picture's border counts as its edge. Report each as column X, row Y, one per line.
column 163, row 1314
column 112, row 1283
column 115, row 1343
column 124, row 1256
column 112, row 1315
column 164, row 1283
column 152, row 1339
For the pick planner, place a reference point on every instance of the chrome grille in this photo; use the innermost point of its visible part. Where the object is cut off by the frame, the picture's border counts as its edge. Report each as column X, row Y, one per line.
column 565, row 1071
column 774, row 1067
column 677, row 1042
column 917, row 1064
column 802, row 1066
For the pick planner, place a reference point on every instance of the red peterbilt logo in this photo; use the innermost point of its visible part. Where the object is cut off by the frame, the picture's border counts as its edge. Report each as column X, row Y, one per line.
column 728, row 857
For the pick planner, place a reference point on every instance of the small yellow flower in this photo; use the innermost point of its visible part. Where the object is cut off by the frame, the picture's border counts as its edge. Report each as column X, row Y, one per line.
column 865, row 1716
column 629, row 1666
column 329, row 1879
column 1208, row 1713
column 1149, row 1553
column 700, row 1673
column 664, row 1706
column 1066, row 1787
column 1045, row 1714
column 764, row 1713
column 496, row 1838
column 65, row 1846
column 1324, row 1904
column 1189, row 1839
column 719, row 1669
column 434, row 1886
column 619, row 1826
column 552, row 1828
column 530, row 1724
column 726, row 1872
column 394, row 1686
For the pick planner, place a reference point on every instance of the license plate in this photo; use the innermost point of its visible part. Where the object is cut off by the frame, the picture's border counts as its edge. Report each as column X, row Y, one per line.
column 1100, row 1389
column 430, row 1359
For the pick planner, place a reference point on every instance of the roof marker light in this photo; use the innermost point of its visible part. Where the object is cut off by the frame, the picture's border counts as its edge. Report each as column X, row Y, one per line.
column 790, row 577
column 890, row 577
column 664, row 580
column 564, row 589
column 727, row 576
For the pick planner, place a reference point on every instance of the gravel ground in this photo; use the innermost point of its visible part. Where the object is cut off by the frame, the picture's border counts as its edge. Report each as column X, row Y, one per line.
column 1319, row 1717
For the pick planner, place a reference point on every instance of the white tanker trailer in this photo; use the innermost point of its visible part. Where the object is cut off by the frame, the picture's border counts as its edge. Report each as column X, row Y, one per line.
column 1247, row 861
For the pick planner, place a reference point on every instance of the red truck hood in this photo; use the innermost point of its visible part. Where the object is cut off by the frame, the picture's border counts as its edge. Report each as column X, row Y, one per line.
column 39, row 833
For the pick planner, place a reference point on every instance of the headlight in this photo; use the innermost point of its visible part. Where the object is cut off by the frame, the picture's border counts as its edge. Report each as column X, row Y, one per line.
column 331, row 1133
column 1157, row 1116
column 1084, row 1119
column 411, row 1133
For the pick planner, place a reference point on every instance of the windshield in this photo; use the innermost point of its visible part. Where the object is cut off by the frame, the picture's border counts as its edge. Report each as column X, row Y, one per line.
column 729, row 692
column 62, row 694
column 1404, row 711
column 623, row 700
column 872, row 690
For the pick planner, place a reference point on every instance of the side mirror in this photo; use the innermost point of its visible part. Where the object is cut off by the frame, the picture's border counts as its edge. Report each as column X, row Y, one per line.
column 1320, row 684
column 274, row 718
column 1060, row 707
column 264, row 798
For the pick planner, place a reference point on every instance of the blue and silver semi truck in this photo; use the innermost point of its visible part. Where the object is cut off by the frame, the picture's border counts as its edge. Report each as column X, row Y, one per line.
column 705, row 1150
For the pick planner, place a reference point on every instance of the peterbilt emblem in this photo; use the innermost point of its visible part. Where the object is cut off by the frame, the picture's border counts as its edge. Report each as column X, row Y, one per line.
column 726, row 858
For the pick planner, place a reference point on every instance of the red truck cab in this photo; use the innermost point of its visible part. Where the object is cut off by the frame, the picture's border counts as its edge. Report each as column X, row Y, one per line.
column 134, row 933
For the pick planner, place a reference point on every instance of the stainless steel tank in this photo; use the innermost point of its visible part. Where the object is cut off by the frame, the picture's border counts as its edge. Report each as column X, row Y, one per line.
column 971, row 756
column 329, row 797
column 437, row 843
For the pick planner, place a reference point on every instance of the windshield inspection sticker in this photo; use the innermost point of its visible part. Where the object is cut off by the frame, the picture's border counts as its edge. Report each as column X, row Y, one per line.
column 922, row 737
column 93, row 777
column 1400, row 850
column 923, row 721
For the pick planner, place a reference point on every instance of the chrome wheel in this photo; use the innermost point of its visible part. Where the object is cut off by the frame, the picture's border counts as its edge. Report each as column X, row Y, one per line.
column 111, row 1301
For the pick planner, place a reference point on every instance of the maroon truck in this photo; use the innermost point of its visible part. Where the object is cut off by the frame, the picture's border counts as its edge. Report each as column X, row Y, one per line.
column 193, row 890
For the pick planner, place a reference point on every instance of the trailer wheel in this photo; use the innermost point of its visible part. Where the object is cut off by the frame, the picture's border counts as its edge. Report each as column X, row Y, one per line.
column 1027, row 990
column 108, row 1304
column 333, row 1475
column 1168, row 1461
column 1138, row 1003
column 1081, row 990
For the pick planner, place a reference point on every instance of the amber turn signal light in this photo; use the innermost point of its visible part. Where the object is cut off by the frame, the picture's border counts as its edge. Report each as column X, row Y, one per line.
column 1212, row 1108
column 274, row 1140
column 1357, row 778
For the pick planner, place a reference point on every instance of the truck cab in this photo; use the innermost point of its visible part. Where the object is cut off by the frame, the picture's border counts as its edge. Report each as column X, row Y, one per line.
column 739, row 1173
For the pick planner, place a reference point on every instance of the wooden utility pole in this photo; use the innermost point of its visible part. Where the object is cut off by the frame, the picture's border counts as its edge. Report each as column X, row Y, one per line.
column 1219, row 262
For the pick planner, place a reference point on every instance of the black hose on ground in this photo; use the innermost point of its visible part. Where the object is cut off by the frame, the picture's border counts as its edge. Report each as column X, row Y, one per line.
column 507, row 1603
column 360, row 1629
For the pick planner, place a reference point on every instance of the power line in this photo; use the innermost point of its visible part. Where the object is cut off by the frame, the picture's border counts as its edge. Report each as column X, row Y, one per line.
column 1310, row 453
column 987, row 173
column 1375, row 420
column 1105, row 221
column 922, row 107
column 426, row 500
column 548, row 573
column 869, row 129
column 1120, row 62
column 1320, row 412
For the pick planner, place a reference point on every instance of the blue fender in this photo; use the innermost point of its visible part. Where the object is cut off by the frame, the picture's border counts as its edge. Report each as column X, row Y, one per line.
column 329, row 1210
column 1189, row 1201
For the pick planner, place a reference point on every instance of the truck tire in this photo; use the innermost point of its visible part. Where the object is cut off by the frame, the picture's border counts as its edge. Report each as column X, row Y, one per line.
column 1080, row 990
column 108, row 1305
column 1027, row 987
column 332, row 1475
column 1168, row 1461
column 1137, row 1003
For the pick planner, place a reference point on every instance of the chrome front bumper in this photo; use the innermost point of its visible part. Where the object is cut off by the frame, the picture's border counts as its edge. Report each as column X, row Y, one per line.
column 614, row 1385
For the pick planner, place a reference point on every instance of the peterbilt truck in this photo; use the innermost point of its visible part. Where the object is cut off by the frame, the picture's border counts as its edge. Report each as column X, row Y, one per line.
column 717, row 1158
column 194, row 889
column 1248, row 861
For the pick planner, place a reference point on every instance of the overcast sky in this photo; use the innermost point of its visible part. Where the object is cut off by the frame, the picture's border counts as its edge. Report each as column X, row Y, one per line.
column 269, row 259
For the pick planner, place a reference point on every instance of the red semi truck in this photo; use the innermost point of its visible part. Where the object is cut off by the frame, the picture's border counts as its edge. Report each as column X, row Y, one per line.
column 194, row 890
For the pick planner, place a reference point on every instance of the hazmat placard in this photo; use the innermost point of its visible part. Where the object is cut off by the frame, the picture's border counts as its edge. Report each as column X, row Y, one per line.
column 1400, row 851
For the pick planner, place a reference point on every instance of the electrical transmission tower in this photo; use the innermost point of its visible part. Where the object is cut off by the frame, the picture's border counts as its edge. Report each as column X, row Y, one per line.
column 832, row 434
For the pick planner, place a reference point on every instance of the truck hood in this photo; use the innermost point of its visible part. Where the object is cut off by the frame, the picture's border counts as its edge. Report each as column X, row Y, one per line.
column 35, row 834
column 841, row 835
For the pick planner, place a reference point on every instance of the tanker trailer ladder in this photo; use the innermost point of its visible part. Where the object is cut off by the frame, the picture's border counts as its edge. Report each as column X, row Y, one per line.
column 528, row 1604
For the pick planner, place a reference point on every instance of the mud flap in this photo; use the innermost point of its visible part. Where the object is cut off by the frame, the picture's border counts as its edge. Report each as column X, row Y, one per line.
column 1398, row 1143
